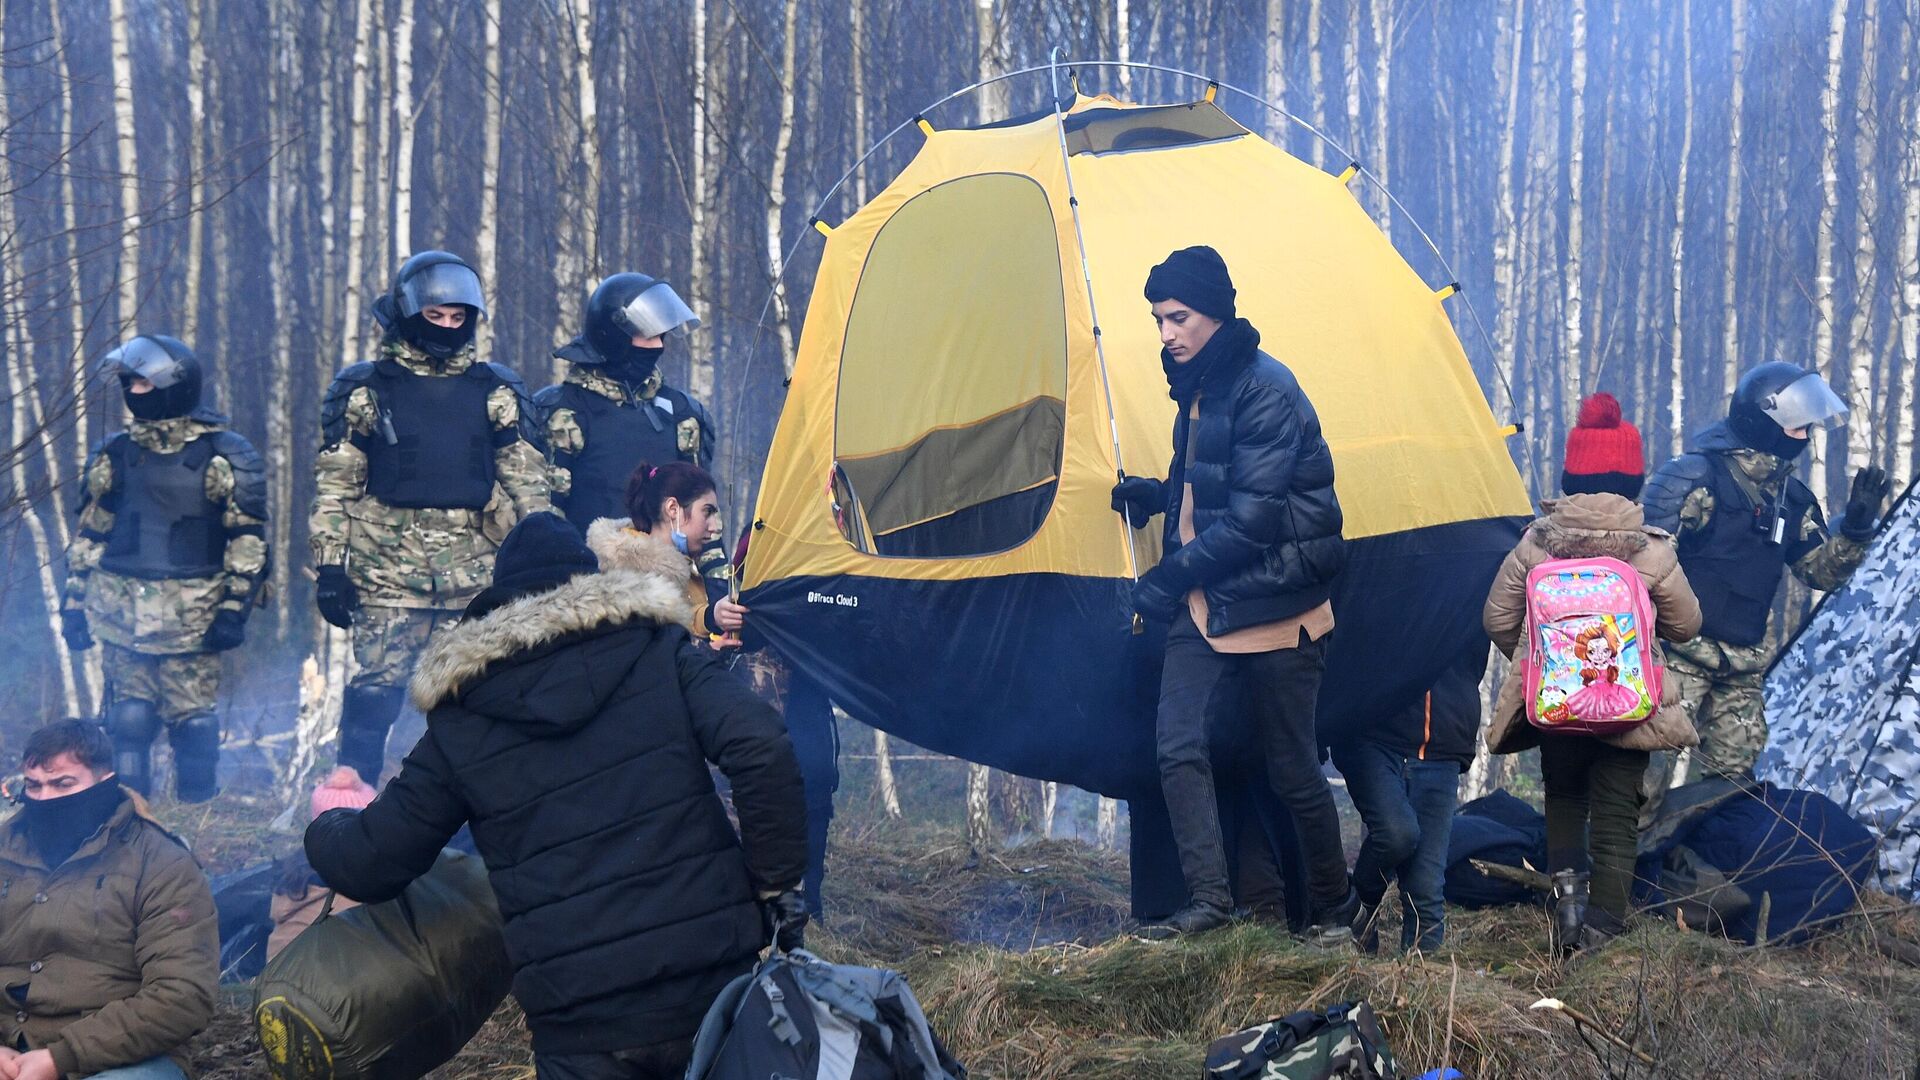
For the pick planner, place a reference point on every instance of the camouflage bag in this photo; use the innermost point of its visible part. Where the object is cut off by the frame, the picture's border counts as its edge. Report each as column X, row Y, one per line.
column 1342, row 1043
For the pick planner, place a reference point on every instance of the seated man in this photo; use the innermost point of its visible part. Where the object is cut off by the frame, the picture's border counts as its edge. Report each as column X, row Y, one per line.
column 109, row 945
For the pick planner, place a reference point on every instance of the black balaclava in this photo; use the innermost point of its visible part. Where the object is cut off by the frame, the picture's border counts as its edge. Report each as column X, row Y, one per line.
column 439, row 342
column 59, row 826
column 633, row 365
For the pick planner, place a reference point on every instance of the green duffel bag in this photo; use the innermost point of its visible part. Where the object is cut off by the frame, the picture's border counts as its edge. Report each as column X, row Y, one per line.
column 387, row 991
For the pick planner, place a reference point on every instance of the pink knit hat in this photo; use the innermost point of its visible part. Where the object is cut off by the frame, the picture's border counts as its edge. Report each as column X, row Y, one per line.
column 342, row 790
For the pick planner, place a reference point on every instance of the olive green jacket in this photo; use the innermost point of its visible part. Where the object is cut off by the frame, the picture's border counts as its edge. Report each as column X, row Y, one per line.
column 116, row 951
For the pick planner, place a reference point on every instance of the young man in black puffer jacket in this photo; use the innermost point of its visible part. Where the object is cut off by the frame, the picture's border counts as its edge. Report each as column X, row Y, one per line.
column 1252, row 541
column 570, row 719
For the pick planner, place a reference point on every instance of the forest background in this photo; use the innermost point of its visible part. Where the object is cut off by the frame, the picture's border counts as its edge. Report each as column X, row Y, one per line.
column 1642, row 197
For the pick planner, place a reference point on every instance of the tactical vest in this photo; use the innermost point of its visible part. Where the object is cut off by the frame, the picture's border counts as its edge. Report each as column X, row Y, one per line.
column 618, row 436
column 1734, row 564
column 164, row 526
column 432, row 443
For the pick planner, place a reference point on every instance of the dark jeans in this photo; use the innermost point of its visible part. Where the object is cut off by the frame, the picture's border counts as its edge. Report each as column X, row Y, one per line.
column 816, row 744
column 663, row 1061
column 1593, row 813
column 1278, row 690
column 1407, row 805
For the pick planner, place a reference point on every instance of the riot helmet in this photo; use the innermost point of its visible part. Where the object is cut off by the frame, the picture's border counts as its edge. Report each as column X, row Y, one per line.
column 164, row 362
column 627, row 306
column 1775, row 398
column 426, row 280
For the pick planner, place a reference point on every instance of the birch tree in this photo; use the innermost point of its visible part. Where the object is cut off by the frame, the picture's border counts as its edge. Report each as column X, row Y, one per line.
column 1575, row 362
column 196, row 166
column 129, row 163
column 357, row 153
column 1506, row 235
column 1274, row 81
column 1383, row 33
column 1677, row 367
column 403, row 123
column 1860, row 350
column 488, row 238
column 777, row 184
column 1909, row 276
column 1730, row 288
column 1823, row 276
column 1316, row 82
column 280, row 201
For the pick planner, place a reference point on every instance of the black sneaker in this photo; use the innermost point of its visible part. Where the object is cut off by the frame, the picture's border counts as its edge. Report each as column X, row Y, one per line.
column 1334, row 928
column 1196, row 918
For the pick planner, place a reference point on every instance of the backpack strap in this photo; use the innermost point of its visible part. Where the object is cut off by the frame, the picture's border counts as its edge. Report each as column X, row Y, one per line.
column 718, row 1023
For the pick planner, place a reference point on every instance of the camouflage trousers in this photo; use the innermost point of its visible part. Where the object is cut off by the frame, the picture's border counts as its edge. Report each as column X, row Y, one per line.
column 387, row 641
column 178, row 685
column 1722, row 689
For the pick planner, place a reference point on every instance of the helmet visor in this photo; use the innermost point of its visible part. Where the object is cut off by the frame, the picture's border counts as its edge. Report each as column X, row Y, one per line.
column 441, row 283
column 144, row 358
column 657, row 310
column 1804, row 402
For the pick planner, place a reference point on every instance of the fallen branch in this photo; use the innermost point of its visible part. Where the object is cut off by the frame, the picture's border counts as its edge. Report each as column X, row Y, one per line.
column 1519, row 875
column 1582, row 1020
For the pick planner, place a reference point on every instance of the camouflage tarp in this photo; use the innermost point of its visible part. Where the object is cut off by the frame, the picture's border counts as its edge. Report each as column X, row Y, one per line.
column 1843, row 700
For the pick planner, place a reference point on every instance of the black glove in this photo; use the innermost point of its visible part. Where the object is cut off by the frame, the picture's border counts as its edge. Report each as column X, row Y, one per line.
column 1871, row 486
column 786, row 917
column 73, row 627
column 229, row 631
column 1136, row 496
column 1158, row 594
column 336, row 597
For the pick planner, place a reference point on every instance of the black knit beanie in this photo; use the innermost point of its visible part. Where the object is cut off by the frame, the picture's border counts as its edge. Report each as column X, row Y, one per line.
column 541, row 552
column 1198, row 278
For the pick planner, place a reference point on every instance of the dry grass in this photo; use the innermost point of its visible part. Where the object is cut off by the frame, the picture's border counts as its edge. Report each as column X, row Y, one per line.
column 1020, row 962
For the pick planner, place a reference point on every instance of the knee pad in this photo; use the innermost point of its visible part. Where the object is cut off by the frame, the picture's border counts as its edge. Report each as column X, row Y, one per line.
column 133, row 721
column 196, row 757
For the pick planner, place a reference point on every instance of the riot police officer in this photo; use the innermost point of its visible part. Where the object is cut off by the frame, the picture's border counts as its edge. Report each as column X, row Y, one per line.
column 168, row 563
column 429, row 457
column 1742, row 518
column 613, row 410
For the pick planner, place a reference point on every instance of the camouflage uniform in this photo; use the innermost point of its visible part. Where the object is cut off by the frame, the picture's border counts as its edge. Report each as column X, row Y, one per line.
column 1721, row 685
column 650, row 422
column 414, row 569
column 153, row 631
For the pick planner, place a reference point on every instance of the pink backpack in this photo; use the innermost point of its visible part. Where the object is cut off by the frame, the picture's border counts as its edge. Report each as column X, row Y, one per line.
column 1591, row 666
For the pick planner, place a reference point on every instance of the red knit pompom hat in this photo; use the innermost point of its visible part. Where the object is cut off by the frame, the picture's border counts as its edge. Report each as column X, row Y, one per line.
column 1603, row 451
column 342, row 790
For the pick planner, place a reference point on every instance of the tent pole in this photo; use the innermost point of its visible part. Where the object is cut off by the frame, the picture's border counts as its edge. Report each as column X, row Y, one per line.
column 1093, row 310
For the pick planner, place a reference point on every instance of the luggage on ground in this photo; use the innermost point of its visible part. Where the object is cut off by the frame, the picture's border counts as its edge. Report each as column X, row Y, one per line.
column 1342, row 1043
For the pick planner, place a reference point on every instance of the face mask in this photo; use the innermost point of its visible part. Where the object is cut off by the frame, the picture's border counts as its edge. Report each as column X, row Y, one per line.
column 680, row 541
column 633, row 365
column 155, row 404
column 60, row 826
column 439, row 342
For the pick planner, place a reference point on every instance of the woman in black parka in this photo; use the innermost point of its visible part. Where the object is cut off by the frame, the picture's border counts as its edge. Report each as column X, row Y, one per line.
column 570, row 720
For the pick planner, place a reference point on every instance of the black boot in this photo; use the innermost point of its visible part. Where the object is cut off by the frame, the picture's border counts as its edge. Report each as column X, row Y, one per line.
column 1569, row 909
column 366, row 715
column 1333, row 927
column 1197, row 917
column 196, row 757
column 133, row 723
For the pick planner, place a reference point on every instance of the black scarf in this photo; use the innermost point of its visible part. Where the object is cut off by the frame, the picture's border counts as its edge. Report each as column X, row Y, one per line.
column 1230, row 346
column 59, row 826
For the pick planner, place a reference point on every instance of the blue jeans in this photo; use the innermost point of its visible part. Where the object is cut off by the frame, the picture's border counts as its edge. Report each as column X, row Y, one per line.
column 1407, row 806
column 160, row 1068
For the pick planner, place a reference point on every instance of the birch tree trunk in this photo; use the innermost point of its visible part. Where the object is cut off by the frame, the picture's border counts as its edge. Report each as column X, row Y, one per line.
column 77, row 313
column 993, row 106
column 1383, row 30
column 1316, row 80
column 1909, row 281
column 1823, row 278
column 488, row 238
column 403, row 127
column 1677, row 368
column 1275, row 82
column 1122, row 42
column 1730, row 289
column 129, row 165
column 1861, row 414
column 357, row 152
column 1575, row 363
column 280, row 199
column 777, row 184
column 196, row 168
column 1506, row 233
column 700, row 373
column 1106, row 823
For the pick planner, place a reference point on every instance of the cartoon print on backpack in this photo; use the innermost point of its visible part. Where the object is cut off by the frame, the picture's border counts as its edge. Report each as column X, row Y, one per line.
column 1589, row 670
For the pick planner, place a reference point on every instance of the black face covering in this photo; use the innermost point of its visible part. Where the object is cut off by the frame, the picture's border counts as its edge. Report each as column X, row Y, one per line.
column 632, row 364
column 1761, row 432
column 439, row 342
column 59, row 826
column 156, row 404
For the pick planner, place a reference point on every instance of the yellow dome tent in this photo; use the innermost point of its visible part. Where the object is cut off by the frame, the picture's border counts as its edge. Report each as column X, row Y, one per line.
column 932, row 537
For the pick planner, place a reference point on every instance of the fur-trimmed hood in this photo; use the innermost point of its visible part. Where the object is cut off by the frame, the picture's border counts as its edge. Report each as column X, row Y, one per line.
column 618, row 546
column 1593, row 526
column 473, row 652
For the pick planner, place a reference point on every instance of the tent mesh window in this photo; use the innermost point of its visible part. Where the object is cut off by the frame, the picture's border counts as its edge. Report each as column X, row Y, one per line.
column 951, row 416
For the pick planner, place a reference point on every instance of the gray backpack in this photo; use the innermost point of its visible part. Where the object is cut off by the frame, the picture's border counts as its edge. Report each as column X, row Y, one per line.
column 798, row 1016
